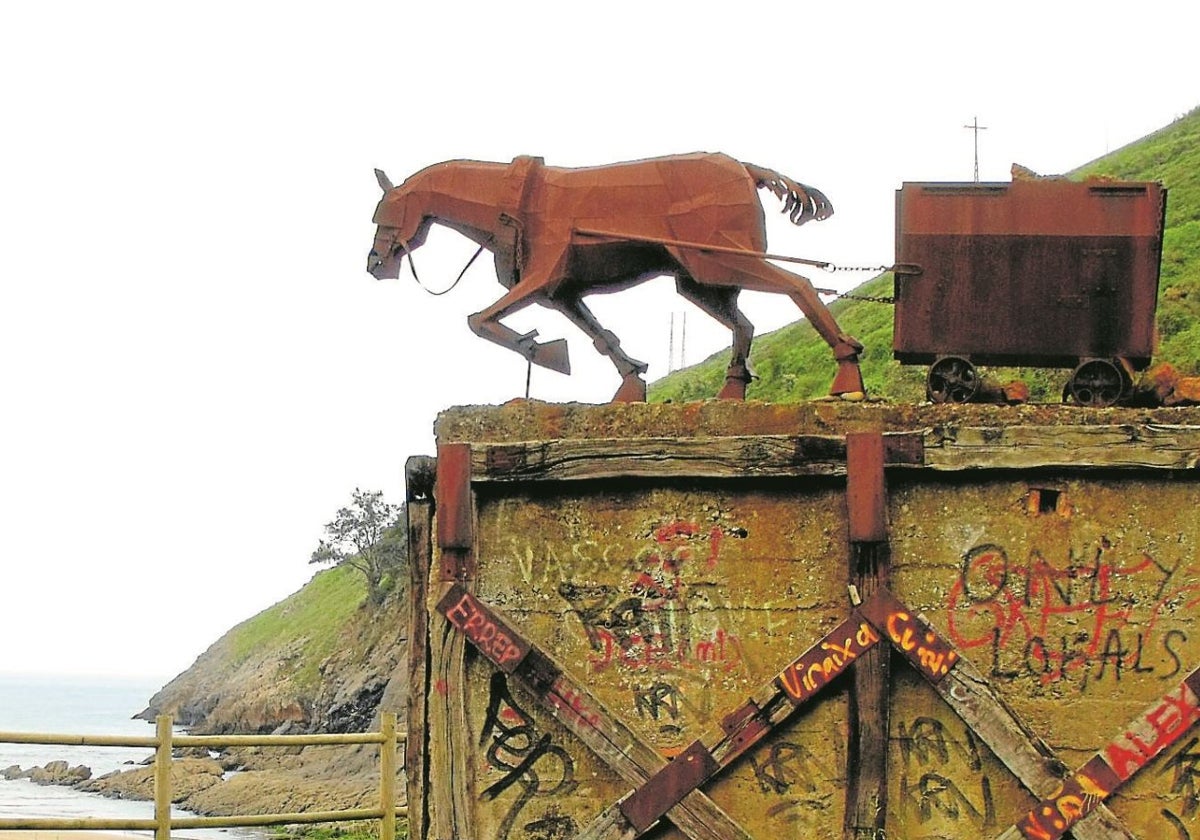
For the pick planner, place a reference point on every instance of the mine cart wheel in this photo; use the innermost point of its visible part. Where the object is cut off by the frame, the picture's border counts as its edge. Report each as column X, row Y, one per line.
column 1099, row 383
column 951, row 379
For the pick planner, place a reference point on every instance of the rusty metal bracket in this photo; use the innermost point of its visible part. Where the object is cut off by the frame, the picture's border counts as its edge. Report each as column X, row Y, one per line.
column 505, row 647
column 744, row 726
column 455, row 512
column 667, row 788
column 866, row 490
column 911, row 635
column 1158, row 727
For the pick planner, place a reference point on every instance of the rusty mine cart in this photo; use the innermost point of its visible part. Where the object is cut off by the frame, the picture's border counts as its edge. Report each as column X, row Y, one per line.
column 1040, row 273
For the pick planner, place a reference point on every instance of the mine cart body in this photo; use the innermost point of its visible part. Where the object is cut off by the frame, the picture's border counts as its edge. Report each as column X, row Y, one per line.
column 1044, row 273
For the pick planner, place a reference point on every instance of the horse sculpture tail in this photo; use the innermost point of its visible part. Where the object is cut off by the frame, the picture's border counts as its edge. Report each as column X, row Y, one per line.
column 800, row 201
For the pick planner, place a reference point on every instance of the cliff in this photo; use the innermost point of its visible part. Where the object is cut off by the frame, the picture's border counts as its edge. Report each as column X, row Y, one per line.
column 321, row 660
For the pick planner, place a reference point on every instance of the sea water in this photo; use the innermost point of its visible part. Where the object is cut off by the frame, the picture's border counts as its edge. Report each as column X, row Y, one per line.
column 72, row 705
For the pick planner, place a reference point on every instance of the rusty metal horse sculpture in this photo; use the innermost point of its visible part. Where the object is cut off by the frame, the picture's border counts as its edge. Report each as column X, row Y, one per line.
column 558, row 234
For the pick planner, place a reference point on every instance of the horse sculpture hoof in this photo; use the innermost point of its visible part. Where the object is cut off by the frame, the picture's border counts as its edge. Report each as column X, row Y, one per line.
column 736, row 380
column 848, row 379
column 735, row 389
column 633, row 389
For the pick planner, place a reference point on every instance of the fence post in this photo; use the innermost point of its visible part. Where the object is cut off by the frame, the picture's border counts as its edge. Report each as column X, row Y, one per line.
column 387, row 776
column 162, row 778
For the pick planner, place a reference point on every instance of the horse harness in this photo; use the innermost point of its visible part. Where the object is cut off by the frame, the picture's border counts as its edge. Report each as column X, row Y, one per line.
column 510, row 236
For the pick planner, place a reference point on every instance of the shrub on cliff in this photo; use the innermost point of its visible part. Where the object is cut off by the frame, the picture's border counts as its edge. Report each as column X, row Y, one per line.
column 363, row 536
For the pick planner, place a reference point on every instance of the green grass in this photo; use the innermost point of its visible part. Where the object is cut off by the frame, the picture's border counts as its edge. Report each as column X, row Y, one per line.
column 793, row 364
column 338, row 831
column 307, row 624
column 1170, row 155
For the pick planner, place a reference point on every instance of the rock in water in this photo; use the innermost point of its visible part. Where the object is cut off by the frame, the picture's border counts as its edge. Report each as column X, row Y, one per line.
column 59, row 773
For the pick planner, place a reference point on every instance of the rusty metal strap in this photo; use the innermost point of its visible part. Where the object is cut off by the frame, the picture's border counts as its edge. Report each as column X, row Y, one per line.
column 1158, row 727
column 931, row 654
column 490, row 634
column 668, row 787
column 810, row 672
column 866, row 489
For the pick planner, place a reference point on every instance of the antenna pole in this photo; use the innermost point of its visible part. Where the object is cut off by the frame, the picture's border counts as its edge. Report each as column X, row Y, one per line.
column 683, row 343
column 671, row 346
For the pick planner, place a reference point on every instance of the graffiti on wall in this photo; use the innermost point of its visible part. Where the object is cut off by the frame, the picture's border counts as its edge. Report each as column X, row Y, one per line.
column 527, row 760
column 1094, row 617
column 1134, row 747
column 645, row 621
column 932, row 759
column 659, row 624
column 791, row 772
column 818, row 666
column 1182, row 769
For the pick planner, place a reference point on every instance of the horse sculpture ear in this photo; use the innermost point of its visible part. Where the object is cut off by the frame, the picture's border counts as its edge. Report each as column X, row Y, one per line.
column 385, row 183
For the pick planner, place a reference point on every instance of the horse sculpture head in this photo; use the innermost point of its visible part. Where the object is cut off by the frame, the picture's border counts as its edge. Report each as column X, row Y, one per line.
column 399, row 231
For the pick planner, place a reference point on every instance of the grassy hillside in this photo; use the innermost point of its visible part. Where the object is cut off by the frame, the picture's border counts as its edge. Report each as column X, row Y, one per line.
column 794, row 364
column 319, row 659
column 308, row 624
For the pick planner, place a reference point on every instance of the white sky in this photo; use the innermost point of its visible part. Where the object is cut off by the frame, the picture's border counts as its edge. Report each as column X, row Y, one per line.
column 197, row 370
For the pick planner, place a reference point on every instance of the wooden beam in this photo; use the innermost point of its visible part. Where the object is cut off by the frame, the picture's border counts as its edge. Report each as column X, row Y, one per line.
column 418, row 474
column 867, row 744
column 452, row 793
column 941, row 448
column 744, row 456
column 1132, row 446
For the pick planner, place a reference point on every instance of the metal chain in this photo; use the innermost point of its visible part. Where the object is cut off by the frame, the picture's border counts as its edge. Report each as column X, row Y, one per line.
column 878, row 269
column 867, row 298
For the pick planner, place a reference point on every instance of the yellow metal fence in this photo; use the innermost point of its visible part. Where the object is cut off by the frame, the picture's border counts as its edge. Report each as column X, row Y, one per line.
column 164, row 741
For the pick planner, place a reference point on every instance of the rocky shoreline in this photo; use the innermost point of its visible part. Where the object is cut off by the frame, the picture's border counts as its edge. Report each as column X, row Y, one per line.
column 247, row 780
column 271, row 689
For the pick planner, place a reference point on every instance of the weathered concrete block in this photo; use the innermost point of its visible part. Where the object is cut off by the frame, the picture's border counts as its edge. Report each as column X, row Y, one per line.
column 672, row 560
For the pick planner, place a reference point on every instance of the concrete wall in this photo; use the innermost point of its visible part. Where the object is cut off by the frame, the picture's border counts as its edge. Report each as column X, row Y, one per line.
column 1074, row 592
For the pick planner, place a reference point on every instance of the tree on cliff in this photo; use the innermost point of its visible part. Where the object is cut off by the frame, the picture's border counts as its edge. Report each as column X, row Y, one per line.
column 366, row 536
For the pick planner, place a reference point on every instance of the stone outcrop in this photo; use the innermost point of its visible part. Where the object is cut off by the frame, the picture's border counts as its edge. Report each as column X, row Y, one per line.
column 188, row 776
column 51, row 773
column 260, row 693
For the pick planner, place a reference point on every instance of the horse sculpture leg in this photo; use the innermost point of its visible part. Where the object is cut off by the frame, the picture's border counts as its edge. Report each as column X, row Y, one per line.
column 721, row 303
column 486, row 324
column 758, row 275
column 633, row 387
